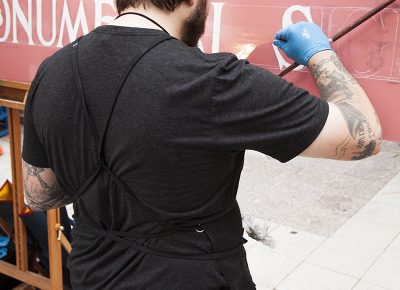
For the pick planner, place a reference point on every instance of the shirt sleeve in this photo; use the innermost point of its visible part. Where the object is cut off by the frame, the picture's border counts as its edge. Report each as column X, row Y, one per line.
column 257, row 110
column 33, row 152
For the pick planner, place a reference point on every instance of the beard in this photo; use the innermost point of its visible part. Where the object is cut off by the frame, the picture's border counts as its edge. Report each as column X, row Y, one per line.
column 195, row 25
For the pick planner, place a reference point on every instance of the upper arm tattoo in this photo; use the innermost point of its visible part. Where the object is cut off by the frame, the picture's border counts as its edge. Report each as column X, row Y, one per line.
column 42, row 191
column 336, row 85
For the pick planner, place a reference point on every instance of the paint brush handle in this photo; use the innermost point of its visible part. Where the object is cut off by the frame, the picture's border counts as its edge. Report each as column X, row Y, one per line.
column 345, row 31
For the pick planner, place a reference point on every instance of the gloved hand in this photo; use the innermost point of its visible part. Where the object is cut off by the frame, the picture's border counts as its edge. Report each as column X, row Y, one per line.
column 301, row 41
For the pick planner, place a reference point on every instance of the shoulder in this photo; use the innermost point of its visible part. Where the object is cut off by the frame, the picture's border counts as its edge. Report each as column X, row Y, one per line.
column 60, row 57
column 55, row 67
column 50, row 72
column 194, row 56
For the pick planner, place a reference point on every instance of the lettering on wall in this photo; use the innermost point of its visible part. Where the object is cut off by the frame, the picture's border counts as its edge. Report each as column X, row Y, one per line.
column 66, row 26
column 21, row 21
column 31, row 30
column 55, row 23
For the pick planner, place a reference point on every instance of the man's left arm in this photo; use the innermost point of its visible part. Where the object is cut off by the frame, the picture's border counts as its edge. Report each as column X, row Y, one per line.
column 42, row 191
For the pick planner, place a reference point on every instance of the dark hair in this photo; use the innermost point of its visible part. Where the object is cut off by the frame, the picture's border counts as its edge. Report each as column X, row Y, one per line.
column 169, row 5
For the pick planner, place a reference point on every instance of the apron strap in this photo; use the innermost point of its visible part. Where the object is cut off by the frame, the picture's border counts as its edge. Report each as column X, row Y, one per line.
column 78, row 84
column 123, row 79
column 116, row 238
column 100, row 139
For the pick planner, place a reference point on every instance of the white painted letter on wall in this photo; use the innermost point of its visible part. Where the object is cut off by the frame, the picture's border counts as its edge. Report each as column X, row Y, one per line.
column 39, row 22
column 66, row 21
column 26, row 22
column 217, row 26
column 5, row 19
column 287, row 20
column 99, row 18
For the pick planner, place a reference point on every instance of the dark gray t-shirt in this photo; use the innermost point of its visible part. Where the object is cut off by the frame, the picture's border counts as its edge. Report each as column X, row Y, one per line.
column 177, row 139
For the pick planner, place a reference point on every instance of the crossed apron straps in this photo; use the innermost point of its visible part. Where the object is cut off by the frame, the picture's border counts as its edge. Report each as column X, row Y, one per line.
column 101, row 138
column 169, row 227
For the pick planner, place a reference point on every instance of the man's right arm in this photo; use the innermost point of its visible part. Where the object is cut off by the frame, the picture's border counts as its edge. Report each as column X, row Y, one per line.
column 352, row 131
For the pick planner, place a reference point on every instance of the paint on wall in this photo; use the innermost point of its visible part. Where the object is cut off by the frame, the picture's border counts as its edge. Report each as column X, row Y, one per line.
column 31, row 30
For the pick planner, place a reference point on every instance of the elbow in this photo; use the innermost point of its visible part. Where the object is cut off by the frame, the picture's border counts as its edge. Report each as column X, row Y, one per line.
column 377, row 139
column 36, row 207
column 378, row 147
column 371, row 148
column 372, row 145
column 34, row 204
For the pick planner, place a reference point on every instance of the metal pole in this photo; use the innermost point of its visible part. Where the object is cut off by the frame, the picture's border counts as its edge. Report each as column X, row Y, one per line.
column 346, row 30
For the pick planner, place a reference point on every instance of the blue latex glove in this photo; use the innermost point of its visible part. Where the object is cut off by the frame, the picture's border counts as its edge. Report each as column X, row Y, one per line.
column 4, row 241
column 3, row 253
column 301, row 41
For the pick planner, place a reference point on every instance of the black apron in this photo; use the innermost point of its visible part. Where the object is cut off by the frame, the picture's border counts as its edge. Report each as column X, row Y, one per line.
column 223, row 230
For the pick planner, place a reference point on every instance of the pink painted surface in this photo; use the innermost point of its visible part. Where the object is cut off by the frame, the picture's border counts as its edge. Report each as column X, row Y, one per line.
column 243, row 27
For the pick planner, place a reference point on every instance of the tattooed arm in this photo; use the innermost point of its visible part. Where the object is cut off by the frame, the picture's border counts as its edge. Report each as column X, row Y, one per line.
column 352, row 131
column 41, row 189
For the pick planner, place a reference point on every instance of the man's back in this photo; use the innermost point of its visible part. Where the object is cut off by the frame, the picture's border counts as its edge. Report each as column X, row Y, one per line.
column 176, row 139
column 158, row 140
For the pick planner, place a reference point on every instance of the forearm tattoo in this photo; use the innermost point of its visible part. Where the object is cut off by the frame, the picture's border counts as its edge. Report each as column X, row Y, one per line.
column 40, row 193
column 336, row 85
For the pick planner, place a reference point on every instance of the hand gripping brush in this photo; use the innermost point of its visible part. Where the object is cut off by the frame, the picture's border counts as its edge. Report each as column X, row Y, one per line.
column 346, row 30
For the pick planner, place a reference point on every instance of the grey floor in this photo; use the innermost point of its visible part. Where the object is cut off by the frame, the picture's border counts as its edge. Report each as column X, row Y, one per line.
column 314, row 195
column 336, row 225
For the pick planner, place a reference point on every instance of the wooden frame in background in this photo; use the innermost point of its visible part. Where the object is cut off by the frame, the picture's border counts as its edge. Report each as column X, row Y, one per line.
column 13, row 96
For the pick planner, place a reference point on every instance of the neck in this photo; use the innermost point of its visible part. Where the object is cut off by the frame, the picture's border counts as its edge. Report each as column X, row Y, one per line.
column 171, row 21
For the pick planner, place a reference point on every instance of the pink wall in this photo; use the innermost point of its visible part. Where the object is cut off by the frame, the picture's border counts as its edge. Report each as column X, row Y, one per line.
column 243, row 27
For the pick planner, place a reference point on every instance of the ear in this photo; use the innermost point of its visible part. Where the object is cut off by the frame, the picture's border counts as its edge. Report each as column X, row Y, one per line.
column 190, row 2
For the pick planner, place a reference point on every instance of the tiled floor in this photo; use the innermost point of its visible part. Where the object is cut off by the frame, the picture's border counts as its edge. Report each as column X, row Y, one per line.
column 363, row 254
column 311, row 277
column 335, row 227
column 386, row 270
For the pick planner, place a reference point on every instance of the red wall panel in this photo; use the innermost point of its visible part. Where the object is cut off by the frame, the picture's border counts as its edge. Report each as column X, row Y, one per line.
column 31, row 30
